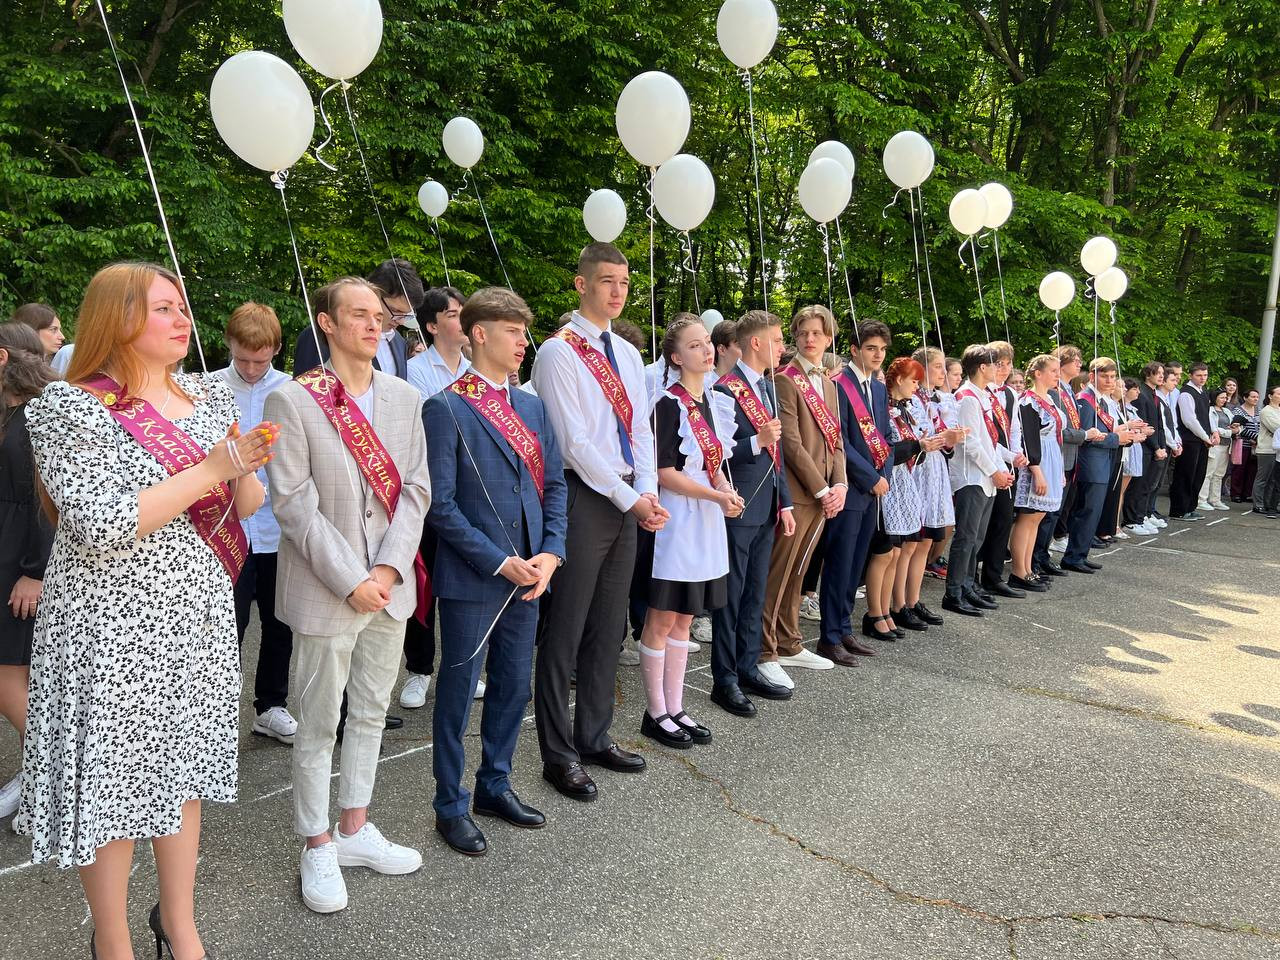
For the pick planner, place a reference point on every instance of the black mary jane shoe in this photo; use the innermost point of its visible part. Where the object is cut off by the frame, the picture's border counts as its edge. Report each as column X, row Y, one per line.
column 869, row 629
column 696, row 731
column 653, row 729
column 928, row 616
column 908, row 619
column 1030, row 586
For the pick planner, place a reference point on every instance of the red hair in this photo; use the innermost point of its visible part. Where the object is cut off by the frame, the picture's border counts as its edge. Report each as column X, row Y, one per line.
column 904, row 368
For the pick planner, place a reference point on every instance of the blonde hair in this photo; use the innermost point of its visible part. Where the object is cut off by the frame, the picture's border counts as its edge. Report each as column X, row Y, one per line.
column 818, row 311
column 1038, row 363
column 1003, row 349
column 1102, row 365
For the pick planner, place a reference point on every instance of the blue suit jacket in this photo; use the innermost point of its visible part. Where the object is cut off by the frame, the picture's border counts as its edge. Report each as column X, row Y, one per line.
column 475, row 537
column 751, row 475
column 859, row 467
column 1096, row 459
column 305, row 356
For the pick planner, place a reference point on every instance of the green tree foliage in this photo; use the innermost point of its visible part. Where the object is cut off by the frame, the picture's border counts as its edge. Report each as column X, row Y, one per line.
column 1153, row 121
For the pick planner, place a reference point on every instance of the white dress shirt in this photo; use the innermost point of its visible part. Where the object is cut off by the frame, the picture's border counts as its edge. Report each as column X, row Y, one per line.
column 585, row 424
column 1171, row 398
column 262, row 529
column 1014, row 433
column 430, row 374
column 386, row 359
column 62, row 359
column 1187, row 412
column 975, row 458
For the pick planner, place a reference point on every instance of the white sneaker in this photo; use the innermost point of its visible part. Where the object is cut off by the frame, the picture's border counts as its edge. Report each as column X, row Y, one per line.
column 699, row 633
column 861, row 594
column 323, row 889
column 1154, row 521
column 11, row 796
column 276, row 722
column 1143, row 530
column 1059, row 545
column 1121, row 535
column 479, row 694
column 369, row 848
column 414, row 692
column 809, row 608
column 1206, row 507
column 775, row 674
column 629, row 655
column 808, row 660
column 1220, row 506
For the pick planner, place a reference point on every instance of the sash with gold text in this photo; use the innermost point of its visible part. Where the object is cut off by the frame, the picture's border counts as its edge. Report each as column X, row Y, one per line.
column 906, row 430
column 1105, row 419
column 986, row 414
column 998, row 411
column 757, row 415
column 357, row 435
column 708, row 442
column 1049, row 407
column 602, row 370
column 1073, row 414
column 876, row 442
column 827, row 422
column 492, row 405
column 214, row 514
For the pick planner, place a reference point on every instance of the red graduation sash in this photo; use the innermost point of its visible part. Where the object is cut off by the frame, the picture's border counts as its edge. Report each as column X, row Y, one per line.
column 827, row 422
column 876, row 442
column 1072, row 413
column 604, row 374
column 708, row 442
column 175, row 450
column 357, row 435
column 757, row 415
column 494, row 407
column 907, row 430
column 986, row 414
column 1049, row 407
column 1106, row 420
column 998, row 411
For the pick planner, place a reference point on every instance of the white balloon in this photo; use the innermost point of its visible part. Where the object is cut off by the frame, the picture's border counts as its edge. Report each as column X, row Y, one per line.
column 683, row 191
column 1057, row 290
column 1098, row 255
column 747, row 30
column 339, row 38
column 653, row 117
column 824, row 189
column 262, row 110
column 1111, row 284
column 710, row 318
column 999, row 204
column 463, row 142
column 433, row 198
column 908, row 159
column 836, row 151
column 968, row 212
column 604, row 215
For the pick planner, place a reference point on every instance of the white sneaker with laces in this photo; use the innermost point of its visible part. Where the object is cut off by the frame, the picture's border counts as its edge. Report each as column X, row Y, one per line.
column 369, row 848
column 809, row 608
column 808, row 660
column 774, row 673
column 629, row 655
column 1121, row 535
column 699, row 633
column 1154, row 521
column 323, row 889
column 1058, row 546
column 11, row 796
column 479, row 694
column 1220, row 506
column 276, row 722
column 1205, row 507
column 414, row 692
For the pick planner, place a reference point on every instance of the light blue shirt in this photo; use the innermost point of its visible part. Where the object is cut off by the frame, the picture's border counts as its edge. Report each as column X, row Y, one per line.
column 262, row 529
column 430, row 374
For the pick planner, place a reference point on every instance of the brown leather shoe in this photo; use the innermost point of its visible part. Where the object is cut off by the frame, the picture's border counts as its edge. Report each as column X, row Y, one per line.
column 570, row 779
column 836, row 654
column 853, row 646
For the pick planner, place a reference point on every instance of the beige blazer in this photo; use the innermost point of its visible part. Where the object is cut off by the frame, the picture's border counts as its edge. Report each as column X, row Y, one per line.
column 333, row 530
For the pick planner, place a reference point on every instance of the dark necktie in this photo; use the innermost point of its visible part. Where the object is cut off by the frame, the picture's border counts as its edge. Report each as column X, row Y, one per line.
column 624, row 441
column 766, row 391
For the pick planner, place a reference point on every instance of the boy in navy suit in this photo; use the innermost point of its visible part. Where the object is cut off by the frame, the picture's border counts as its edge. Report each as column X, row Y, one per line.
column 499, row 511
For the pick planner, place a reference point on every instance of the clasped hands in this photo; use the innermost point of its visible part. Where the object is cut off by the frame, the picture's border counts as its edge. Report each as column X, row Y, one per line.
column 652, row 515
column 535, row 572
column 375, row 593
column 238, row 455
column 730, row 502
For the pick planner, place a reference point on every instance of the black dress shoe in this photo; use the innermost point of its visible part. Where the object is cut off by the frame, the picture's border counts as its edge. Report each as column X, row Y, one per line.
column 616, row 759
column 652, row 728
column 1003, row 589
column 871, row 628
column 960, row 605
column 764, row 688
column 985, row 594
column 1029, row 586
column 1051, row 569
column 906, row 618
column 1076, row 567
column 1091, row 565
column 570, row 779
column 733, row 700
column 507, row 806
column 462, row 834
column 393, row 723
column 927, row 615
column 980, row 600
column 851, row 644
column 697, row 732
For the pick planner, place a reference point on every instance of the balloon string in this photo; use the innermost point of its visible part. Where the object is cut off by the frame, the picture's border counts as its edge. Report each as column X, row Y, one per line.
column 755, row 172
column 1115, row 344
column 848, row 287
column 915, row 246
column 475, row 185
column 435, row 228
column 466, row 182
column 977, row 278
column 687, row 265
column 651, row 214
column 1004, row 310
column 319, row 150
column 928, row 271
column 1057, row 331
column 1091, row 291
column 826, row 254
column 155, row 188
column 884, row 212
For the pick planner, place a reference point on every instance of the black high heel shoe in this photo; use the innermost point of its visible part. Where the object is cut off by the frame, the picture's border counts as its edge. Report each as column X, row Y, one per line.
column 93, row 950
column 162, row 941
column 869, row 629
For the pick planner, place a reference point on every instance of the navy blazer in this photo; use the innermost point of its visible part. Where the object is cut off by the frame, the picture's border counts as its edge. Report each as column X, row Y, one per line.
column 765, row 496
column 477, row 531
column 305, row 356
column 1096, row 458
column 859, row 468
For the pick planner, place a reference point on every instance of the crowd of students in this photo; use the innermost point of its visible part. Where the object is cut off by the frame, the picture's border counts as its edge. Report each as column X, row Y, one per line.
column 394, row 484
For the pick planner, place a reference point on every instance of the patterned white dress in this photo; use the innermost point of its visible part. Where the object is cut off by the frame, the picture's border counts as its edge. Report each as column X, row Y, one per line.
column 135, row 677
column 901, row 506
column 932, row 473
column 1050, row 465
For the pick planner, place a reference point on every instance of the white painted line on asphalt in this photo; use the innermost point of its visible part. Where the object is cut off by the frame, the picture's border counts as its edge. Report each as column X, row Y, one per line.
column 16, row 867
column 1108, row 553
column 1176, row 532
column 1212, row 522
column 1145, row 542
column 705, row 666
column 699, row 689
column 1033, row 623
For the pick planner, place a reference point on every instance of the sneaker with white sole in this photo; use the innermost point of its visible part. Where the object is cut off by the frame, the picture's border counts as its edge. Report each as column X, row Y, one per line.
column 1154, row 521
column 1220, row 506
column 809, row 608
column 1121, row 535
column 699, row 632
column 479, row 694
column 11, row 796
column 694, row 646
column 323, row 889
column 808, row 660
column 1206, row 507
column 1059, row 545
column 774, row 673
column 369, row 848
column 629, row 655
column 276, row 722
column 1142, row 530
column 414, row 692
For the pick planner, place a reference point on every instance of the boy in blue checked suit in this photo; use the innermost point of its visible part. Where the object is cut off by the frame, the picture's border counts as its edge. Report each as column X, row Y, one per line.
column 499, row 510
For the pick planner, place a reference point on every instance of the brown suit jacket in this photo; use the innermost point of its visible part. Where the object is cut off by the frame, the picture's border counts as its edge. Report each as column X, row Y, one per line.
column 810, row 463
